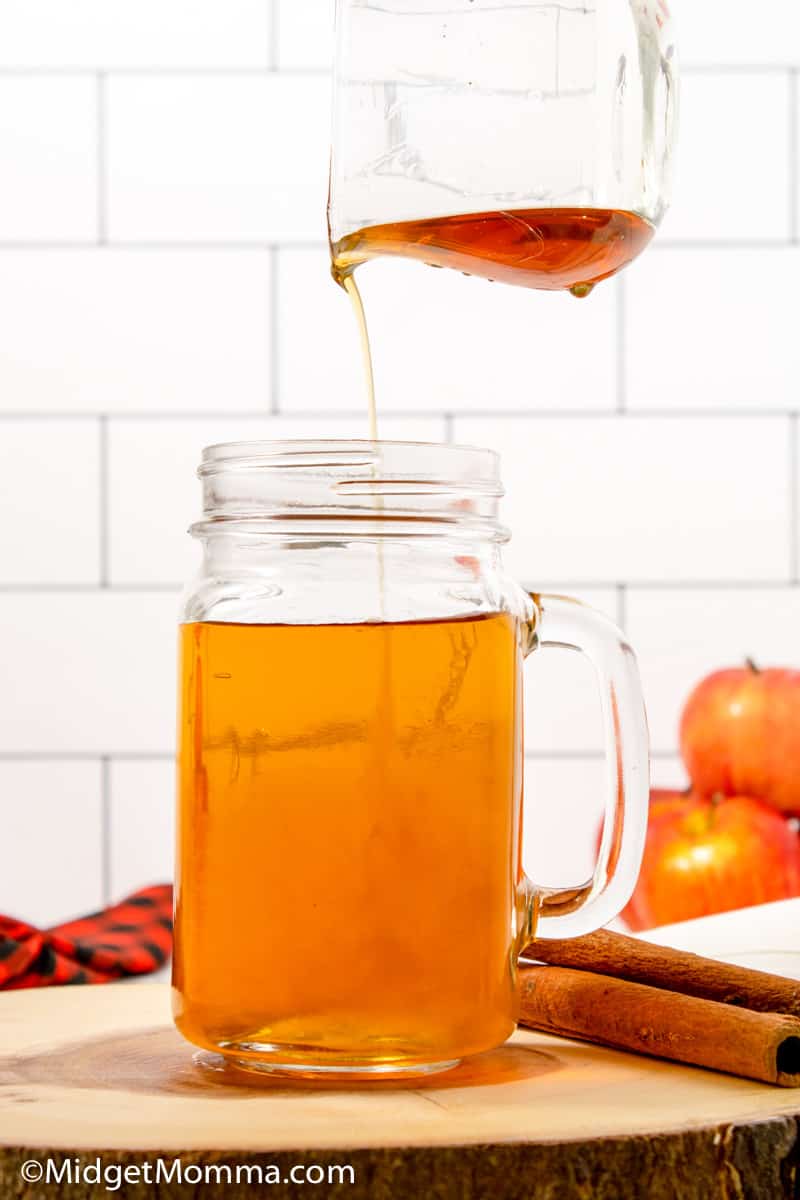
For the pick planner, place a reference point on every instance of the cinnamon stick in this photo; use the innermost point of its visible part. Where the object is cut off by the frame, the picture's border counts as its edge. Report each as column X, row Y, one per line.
column 664, row 1024
column 676, row 970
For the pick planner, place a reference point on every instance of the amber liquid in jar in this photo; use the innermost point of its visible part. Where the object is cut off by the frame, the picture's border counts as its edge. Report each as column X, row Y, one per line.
column 552, row 248
column 556, row 249
column 349, row 841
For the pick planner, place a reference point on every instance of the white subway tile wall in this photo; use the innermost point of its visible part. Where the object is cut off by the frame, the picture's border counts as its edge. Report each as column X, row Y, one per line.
column 717, row 33
column 681, row 635
column 239, row 158
column 562, row 708
column 150, row 331
column 735, row 161
column 441, row 341
column 48, row 151
column 141, row 827
column 644, row 499
column 164, row 284
column 144, row 548
column 50, row 500
column 54, row 827
column 304, row 34
column 713, row 329
column 88, row 671
column 148, row 34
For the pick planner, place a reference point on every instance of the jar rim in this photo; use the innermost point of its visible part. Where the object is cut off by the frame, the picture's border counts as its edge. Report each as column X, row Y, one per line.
column 472, row 463
column 378, row 488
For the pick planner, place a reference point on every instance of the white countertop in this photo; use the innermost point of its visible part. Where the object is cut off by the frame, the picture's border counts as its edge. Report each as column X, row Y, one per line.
column 766, row 937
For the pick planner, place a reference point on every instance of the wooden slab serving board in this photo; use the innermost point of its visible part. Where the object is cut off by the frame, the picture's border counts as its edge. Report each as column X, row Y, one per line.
column 89, row 1070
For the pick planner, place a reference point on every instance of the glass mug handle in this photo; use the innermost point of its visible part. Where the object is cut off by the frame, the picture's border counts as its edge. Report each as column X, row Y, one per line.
column 566, row 624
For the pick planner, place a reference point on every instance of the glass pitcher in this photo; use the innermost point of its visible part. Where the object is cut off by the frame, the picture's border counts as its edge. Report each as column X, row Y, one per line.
column 350, row 892
column 526, row 141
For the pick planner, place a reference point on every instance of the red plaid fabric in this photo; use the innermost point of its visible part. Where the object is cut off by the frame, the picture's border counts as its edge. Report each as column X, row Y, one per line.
column 131, row 938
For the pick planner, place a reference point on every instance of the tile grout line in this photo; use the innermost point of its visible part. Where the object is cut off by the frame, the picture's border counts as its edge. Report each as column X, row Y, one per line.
column 794, row 157
column 273, row 35
column 622, row 605
column 342, row 414
column 304, row 244
column 733, row 243
column 243, row 245
column 274, row 330
column 167, row 245
column 103, row 504
column 107, row 760
column 794, row 501
column 589, row 755
column 158, row 588
column 207, row 71
column 84, row 589
column 101, row 165
column 105, row 828
column 740, row 68
column 96, row 756
column 449, row 427
column 248, row 69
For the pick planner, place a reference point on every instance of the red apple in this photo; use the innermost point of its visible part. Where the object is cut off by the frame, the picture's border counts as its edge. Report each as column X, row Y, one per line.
column 705, row 856
column 740, row 735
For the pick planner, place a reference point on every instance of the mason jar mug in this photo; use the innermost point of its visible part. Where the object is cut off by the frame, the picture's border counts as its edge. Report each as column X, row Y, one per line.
column 531, row 142
column 350, row 896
